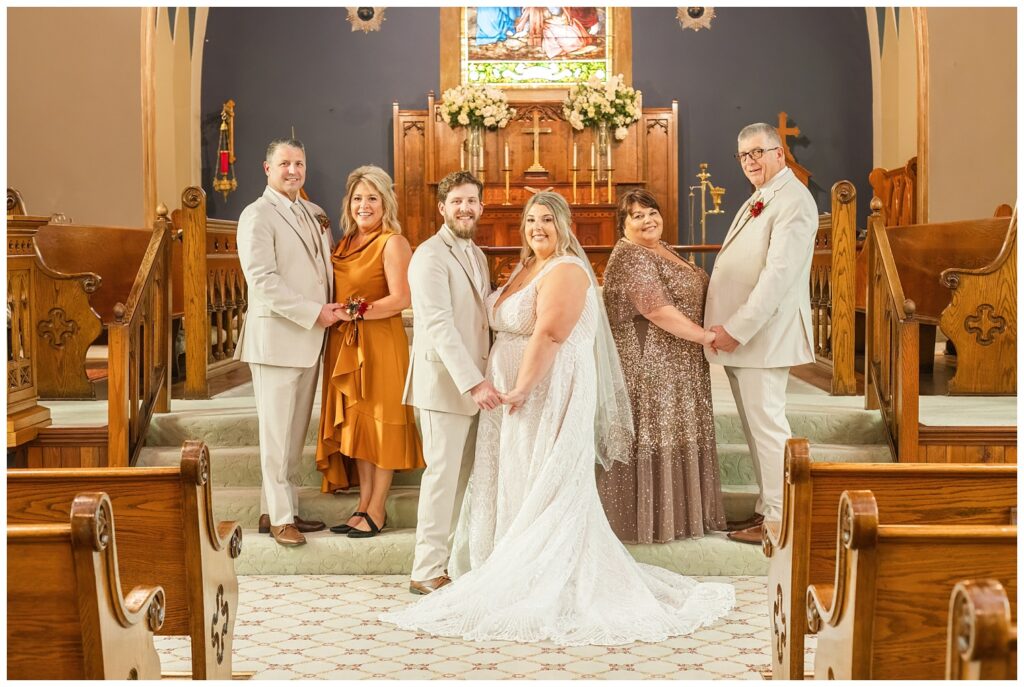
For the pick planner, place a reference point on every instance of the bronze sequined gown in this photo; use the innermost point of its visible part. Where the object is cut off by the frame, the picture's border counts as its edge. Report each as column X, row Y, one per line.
column 672, row 488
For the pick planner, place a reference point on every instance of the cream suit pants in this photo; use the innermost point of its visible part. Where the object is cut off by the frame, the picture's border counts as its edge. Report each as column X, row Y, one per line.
column 449, row 445
column 284, row 402
column 760, row 395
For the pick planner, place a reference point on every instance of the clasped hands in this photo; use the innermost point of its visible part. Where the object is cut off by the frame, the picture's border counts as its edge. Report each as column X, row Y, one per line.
column 333, row 313
column 721, row 340
column 488, row 398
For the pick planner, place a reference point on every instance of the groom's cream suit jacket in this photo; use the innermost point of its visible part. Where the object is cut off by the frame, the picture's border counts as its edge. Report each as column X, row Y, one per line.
column 450, row 337
column 759, row 289
column 289, row 280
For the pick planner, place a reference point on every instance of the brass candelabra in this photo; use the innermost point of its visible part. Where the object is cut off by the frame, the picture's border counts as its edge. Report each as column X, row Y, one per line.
column 716, row 199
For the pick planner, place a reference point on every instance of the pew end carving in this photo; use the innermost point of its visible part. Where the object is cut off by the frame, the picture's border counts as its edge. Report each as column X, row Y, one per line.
column 194, row 561
column 981, row 321
column 67, row 616
column 884, row 615
column 982, row 636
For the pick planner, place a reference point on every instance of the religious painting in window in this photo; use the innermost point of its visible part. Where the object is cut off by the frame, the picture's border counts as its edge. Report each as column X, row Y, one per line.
column 532, row 47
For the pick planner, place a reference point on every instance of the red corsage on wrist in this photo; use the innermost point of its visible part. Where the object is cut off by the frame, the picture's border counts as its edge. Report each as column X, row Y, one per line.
column 356, row 307
column 757, row 208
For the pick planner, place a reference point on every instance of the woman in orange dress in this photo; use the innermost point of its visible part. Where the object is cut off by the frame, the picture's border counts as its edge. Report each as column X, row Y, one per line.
column 366, row 432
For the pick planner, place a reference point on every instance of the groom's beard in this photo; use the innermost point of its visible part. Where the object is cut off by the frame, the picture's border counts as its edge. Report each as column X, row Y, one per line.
column 463, row 228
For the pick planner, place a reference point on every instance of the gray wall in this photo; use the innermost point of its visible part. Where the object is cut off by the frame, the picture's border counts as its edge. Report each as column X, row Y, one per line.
column 304, row 67
column 812, row 63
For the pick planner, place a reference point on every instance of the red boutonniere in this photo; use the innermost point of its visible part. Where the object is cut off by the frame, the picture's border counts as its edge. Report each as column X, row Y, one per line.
column 757, row 208
column 325, row 222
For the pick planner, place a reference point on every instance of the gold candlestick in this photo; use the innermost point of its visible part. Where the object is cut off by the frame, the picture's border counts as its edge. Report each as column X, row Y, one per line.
column 716, row 198
column 507, row 171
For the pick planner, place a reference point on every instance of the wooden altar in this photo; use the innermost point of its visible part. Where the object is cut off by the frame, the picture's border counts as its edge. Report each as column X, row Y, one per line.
column 426, row 149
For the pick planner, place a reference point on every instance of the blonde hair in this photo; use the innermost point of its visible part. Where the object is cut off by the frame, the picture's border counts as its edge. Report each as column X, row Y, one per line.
column 381, row 182
column 563, row 222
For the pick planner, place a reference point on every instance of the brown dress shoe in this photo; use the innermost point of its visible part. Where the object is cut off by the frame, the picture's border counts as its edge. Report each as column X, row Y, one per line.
column 287, row 535
column 751, row 535
column 300, row 524
column 736, row 525
column 430, row 585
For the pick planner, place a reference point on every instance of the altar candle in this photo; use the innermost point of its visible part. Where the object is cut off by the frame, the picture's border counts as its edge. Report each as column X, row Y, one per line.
column 575, row 150
column 462, row 157
column 481, row 155
column 506, row 155
column 609, row 155
column 593, row 156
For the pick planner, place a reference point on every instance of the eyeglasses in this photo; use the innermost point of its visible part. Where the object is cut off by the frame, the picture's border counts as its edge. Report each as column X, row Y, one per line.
column 755, row 154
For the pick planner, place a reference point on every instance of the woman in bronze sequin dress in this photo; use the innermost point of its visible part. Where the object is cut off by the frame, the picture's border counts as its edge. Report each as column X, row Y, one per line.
column 655, row 301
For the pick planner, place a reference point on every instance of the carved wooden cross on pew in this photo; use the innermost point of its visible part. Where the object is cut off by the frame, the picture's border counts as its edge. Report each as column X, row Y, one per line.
column 536, row 131
column 785, row 132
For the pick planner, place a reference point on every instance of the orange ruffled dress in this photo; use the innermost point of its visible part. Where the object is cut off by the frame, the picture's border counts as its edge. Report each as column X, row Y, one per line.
column 362, row 415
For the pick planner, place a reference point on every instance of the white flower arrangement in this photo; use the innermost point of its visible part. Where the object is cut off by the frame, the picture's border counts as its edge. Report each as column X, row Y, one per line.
column 595, row 101
column 476, row 105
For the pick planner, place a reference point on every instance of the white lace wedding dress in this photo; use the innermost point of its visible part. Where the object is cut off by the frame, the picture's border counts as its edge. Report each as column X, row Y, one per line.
column 545, row 564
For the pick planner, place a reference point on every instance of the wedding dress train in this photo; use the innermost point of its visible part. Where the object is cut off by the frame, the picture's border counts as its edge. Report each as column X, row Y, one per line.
column 535, row 558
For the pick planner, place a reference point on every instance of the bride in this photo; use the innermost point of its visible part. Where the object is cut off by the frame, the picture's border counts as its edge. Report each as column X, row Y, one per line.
column 537, row 557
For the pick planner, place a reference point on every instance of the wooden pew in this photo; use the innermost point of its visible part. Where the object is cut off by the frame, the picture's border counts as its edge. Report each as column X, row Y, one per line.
column 167, row 532
column 214, row 292
column 66, row 615
column 981, row 321
column 897, row 189
column 884, row 616
column 905, row 267
column 982, row 638
column 833, row 285
column 801, row 548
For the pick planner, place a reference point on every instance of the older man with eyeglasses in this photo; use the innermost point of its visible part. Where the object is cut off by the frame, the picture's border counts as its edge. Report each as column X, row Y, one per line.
column 759, row 306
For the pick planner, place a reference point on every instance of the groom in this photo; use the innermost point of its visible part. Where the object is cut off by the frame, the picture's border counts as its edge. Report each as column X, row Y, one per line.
column 449, row 282
column 760, row 307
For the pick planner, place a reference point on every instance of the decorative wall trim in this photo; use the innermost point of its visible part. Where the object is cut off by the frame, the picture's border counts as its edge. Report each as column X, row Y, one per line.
column 920, row 15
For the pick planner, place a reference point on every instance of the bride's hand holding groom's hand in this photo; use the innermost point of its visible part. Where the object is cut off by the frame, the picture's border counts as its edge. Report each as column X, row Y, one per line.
column 514, row 400
column 485, row 395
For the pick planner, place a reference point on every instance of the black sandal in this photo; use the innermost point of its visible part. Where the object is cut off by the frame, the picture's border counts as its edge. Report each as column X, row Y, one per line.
column 344, row 528
column 372, row 532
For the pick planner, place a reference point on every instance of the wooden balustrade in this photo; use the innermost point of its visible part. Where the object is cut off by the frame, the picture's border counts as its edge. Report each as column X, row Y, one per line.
column 140, row 350
column 833, row 283
column 214, row 291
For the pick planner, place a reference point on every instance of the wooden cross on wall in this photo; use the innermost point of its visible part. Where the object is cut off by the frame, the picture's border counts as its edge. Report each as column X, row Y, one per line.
column 785, row 132
column 801, row 172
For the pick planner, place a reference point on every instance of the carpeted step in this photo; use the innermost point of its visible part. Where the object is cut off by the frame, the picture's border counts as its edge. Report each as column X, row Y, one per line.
column 239, row 427
column 736, row 466
column 391, row 553
column 242, row 504
column 237, row 466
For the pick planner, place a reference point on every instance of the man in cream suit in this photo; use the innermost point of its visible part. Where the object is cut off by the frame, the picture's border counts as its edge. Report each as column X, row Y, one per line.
column 759, row 306
column 286, row 258
column 449, row 282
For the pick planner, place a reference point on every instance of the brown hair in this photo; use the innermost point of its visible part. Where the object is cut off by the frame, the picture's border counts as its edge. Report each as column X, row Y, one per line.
column 637, row 196
column 379, row 180
column 456, row 179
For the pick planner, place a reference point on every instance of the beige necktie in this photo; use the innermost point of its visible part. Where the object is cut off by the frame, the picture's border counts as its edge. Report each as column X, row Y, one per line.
column 473, row 265
column 300, row 214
